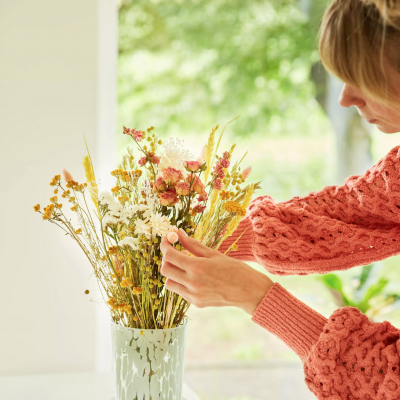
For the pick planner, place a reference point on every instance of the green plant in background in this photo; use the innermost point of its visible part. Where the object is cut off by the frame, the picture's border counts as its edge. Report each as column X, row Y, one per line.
column 368, row 295
column 185, row 63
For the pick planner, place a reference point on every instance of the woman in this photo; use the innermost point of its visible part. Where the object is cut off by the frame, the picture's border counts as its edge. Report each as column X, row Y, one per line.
column 345, row 356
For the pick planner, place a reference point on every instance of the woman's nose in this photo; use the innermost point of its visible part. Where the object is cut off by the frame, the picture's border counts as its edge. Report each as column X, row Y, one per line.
column 351, row 97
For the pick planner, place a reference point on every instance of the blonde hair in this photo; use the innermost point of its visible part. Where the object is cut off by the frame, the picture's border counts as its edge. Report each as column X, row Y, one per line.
column 359, row 39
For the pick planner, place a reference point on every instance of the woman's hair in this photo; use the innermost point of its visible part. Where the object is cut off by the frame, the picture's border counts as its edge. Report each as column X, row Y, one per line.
column 359, row 40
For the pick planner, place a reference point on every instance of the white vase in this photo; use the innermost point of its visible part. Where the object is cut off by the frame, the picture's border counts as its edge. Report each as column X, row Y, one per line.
column 148, row 366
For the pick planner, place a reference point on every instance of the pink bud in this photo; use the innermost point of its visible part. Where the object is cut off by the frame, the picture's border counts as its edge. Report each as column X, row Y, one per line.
column 172, row 237
column 246, row 172
column 192, row 165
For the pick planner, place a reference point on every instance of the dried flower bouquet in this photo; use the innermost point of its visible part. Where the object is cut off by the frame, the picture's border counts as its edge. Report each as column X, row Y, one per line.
column 163, row 191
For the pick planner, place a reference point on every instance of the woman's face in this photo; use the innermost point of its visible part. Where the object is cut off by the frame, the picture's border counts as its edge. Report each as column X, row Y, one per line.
column 387, row 119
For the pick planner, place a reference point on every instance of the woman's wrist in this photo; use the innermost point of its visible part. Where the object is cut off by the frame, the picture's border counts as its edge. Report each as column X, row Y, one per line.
column 256, row 293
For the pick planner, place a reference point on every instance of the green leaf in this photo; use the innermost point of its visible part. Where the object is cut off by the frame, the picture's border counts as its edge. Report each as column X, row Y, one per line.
column 334, row 283
column 375, row 290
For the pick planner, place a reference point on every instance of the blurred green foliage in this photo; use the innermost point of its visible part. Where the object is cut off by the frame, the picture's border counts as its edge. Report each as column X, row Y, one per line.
column 368, row 294
column 189, row 64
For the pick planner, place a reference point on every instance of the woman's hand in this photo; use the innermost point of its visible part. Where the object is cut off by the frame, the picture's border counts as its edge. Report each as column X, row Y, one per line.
column 211, row 279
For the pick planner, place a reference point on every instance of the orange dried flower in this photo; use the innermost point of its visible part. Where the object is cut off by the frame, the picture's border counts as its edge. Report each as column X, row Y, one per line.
column 235, row 208
column 54, row 199
column 126, row 282
column 75, row 207
column 137, row 290
column 59, row 205
column 66, row 193
column 78, row 231
column 37, row 207
column 115, row 189
column 123, row 199
column 55, row 191
column 112, row 250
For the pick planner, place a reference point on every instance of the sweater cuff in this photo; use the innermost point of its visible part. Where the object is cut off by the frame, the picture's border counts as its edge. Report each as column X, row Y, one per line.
column 288, row 318
column 245, row 234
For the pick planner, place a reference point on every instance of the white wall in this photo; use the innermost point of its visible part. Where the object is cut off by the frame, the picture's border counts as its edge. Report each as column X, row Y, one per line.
column 57, row 82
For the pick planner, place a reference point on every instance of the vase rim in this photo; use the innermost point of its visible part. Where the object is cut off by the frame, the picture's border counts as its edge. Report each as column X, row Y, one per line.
column 146, row 329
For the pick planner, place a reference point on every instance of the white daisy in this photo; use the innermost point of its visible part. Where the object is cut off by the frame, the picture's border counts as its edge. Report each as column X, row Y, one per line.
column 130, row 242
column 142, row 228
column 106, row 198
column 159, row 224
column 109, row 220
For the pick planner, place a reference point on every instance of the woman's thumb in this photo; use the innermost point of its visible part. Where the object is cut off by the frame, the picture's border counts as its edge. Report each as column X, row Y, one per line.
column 192, row 245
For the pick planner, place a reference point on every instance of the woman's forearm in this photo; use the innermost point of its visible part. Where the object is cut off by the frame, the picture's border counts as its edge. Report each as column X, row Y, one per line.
column 346, row 356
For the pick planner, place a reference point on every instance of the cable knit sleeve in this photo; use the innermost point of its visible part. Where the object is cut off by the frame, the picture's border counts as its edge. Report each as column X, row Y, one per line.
column 345, row 357
column 336, row 228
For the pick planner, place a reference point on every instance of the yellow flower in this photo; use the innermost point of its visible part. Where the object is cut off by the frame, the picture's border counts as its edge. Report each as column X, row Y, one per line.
column 154, row 296
column 75, row 207
column 136, row 318
column 123, row 199
column 235, row 247
column 37, row 207
column 103, row 258
column 66, row 194
column 115, row 189
column 235, row 208
column 55, row 191
column 54, row 199
column 78, row 231
column 126, row 282
column 137, row 290
column 112, row 250
column 59, row 205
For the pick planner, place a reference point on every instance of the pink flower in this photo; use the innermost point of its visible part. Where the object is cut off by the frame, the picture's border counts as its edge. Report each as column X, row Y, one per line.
column 136, row 134
column 153, row 158
column 168, row 198
column 196, row 184
column 173, row 228
column 226, row 155
column 224, row 162
column 160, row 185
column 182, row 188
column 217, row 183
column 142, row 161
column 172, row 237
column 218, row 172
column 202, row 198
column 246, row 172
column 67, row 176
column 192, row 165
column 171, row 176
column 199, row 208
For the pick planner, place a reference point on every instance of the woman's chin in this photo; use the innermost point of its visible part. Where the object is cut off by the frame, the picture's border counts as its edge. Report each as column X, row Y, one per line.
column 388, row 129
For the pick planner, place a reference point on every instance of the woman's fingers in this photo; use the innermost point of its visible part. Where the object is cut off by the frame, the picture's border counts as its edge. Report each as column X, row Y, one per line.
column 177, row 288
column 174, row 256
column 192, row 245
column 172, row 272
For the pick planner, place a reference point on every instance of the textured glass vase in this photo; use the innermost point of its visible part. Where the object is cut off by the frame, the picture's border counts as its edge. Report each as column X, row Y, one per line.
column 148, row 366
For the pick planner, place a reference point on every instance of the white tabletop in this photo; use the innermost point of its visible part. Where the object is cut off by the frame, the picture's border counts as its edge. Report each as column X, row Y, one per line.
column 78, row 386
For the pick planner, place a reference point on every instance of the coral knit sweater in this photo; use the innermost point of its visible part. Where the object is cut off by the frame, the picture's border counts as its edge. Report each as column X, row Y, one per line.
column 345, row 356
